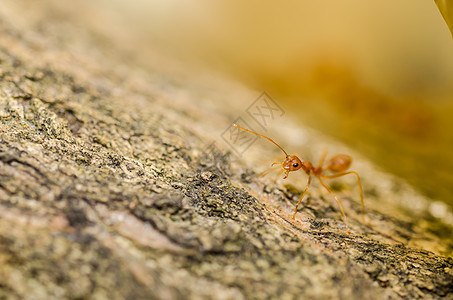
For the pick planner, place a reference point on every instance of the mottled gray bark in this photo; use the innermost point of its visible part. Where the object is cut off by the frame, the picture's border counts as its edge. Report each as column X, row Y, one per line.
column 108, row 190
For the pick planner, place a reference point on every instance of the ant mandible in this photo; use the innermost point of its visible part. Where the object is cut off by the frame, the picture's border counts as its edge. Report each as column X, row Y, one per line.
column 338, row 164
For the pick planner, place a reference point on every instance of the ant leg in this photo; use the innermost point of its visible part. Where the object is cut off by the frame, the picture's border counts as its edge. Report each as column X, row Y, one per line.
column 334, row 196
column 272, row 169
column 281, row 164
column 264, row 173
column 323, row 157
column 359, row 184
column 303, row 194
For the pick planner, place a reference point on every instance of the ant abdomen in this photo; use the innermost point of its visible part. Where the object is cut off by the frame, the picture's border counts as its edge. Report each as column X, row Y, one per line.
column 338, row 163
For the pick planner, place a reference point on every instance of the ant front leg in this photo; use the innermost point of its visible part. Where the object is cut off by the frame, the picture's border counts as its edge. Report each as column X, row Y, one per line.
column 264, row 173
column 280, row 171
column 303, row 194
column 286, row 172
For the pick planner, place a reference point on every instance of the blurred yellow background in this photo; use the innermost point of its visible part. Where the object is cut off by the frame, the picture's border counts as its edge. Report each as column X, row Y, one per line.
column 376, row 74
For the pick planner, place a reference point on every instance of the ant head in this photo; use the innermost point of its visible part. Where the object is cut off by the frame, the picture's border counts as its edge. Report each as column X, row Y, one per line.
column 292, row 163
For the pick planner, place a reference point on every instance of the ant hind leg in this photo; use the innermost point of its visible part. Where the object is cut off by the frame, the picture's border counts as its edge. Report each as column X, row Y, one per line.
column 333, row 195
column 323, row 157
column 358, row 183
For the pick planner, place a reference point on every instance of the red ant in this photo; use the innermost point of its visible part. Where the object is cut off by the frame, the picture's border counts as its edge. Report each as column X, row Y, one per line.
column 337, row 164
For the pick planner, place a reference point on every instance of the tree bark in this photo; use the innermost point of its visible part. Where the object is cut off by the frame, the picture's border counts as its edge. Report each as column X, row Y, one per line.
column 113, row 185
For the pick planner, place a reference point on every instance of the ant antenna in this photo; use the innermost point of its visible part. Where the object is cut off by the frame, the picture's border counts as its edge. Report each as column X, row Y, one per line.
column 269, row 139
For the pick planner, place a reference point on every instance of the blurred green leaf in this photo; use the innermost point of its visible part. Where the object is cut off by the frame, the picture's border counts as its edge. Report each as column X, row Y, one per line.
column 446, row 8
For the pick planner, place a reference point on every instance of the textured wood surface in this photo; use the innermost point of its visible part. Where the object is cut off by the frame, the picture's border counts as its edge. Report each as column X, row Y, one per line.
column 109, row 189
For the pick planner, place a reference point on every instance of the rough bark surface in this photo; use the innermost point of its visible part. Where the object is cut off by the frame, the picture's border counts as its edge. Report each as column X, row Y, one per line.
column 108, row 191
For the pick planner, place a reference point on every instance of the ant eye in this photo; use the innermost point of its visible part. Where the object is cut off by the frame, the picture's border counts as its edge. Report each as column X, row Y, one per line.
column 295, row 165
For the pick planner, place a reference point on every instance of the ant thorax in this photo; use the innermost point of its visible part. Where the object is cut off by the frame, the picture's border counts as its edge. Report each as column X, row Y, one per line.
column 307, row 167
